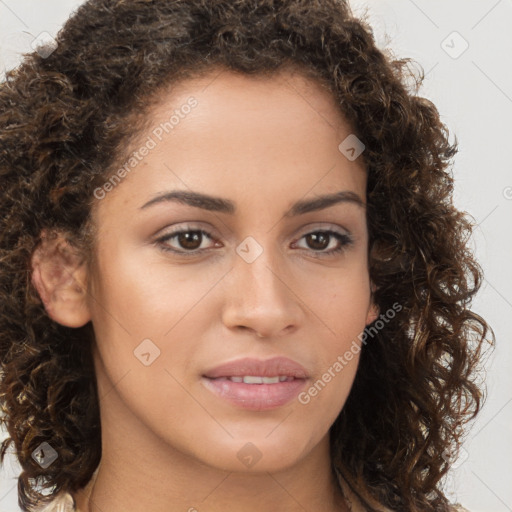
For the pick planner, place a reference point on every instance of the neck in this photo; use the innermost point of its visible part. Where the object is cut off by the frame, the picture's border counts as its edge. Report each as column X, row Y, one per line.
column 129, row 479
column 119, row 485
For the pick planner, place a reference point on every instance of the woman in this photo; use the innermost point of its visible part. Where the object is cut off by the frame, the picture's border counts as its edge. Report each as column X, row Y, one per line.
column 232, row 274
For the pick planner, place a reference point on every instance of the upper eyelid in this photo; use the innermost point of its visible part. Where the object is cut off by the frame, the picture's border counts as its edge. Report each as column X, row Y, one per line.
column 210, row 233
column 316, row 226
column 193, row 226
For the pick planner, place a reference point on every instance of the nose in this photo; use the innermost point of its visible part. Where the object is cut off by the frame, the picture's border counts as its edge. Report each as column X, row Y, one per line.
column 260, row 297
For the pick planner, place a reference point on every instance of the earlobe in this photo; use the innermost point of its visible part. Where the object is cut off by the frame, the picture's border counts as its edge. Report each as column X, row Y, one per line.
column 59, row 276
column 373, row 314
column 374, row 310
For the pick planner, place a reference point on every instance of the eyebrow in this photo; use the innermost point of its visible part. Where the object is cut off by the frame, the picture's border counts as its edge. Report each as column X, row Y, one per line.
column 218, row 204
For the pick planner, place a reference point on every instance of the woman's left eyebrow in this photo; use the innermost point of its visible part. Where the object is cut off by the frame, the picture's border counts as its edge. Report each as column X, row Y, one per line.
column 218, row 204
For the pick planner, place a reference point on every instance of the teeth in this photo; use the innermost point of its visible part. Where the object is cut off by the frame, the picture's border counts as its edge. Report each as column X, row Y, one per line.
column 254, row 379
column 249, row 379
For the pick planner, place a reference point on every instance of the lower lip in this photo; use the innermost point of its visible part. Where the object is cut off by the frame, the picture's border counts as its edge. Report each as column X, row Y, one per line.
column 256, row 397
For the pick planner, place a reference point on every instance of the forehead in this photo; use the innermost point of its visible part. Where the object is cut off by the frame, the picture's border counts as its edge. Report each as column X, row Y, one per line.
column 225, row 96
column 235, row 135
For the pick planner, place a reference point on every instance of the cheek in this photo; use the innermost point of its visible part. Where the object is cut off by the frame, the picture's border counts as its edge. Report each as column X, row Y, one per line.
column 342, row 308
column 321, row 403
column 339, row 351
column 138, row 297
column 340, row 302
column 145, row 313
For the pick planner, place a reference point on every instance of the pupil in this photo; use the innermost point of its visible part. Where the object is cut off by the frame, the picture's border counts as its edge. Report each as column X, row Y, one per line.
column 187, row 240
column 320, row 236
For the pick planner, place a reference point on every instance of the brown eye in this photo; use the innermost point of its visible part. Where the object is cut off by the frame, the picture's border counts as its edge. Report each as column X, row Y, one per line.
column 186, row 242
column 318, row 241
column 189, row 239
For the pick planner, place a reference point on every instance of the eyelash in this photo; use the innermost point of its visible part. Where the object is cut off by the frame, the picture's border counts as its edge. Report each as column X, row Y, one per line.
column 344, row 239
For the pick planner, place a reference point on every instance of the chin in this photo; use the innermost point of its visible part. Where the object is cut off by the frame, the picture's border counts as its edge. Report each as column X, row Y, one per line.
column 255, row 455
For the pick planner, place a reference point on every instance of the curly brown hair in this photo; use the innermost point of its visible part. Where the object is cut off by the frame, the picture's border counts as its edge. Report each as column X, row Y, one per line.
column 66, row 122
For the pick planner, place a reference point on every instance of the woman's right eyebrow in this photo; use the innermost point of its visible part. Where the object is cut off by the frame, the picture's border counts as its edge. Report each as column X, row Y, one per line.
column 221, row 205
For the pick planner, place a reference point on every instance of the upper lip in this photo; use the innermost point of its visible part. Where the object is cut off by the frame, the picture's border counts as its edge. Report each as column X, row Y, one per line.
column 257, row 367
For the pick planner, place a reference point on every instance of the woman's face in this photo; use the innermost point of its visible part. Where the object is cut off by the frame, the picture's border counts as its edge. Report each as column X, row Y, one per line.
column 253, row 274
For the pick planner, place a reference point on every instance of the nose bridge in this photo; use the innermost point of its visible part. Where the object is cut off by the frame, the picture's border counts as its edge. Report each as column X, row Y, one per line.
column 258, row 265
column 259, row 298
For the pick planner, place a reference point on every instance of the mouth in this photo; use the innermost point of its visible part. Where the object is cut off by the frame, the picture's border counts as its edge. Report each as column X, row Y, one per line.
column 255, row 384
column 256, row 379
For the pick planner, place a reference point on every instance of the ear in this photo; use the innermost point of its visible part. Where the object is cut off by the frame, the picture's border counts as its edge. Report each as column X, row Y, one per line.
column 373, row 310
column 59, row 275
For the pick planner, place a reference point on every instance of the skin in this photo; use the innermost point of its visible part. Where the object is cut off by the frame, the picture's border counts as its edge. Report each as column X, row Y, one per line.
column 168, row 442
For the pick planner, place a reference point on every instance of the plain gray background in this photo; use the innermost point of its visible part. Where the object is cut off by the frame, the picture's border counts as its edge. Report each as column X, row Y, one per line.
column 465, row 49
